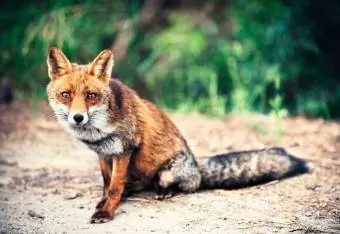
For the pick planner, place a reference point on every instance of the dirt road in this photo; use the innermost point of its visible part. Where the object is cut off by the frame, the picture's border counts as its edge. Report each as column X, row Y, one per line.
column 50, row 183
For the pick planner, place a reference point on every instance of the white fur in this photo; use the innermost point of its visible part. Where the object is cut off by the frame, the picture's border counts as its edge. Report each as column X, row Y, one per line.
column 100, row 118
column 112, row 146
column 58, row 108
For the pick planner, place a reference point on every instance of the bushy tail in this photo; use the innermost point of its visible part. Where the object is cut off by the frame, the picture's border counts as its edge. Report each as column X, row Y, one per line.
column 247, row 168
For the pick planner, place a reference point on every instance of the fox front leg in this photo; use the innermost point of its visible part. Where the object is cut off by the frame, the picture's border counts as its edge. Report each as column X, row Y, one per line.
column 106, row 170
column 106, row 208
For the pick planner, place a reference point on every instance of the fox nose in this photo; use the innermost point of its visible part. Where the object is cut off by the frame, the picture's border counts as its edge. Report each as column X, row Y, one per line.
column 78, row 118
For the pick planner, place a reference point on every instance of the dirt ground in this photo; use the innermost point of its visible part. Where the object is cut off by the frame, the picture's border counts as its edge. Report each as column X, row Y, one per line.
column 50, row 183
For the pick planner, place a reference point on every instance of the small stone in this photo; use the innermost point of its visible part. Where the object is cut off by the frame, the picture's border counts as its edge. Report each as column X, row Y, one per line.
column 34, row 214
column 312, row 187
column 73, row 196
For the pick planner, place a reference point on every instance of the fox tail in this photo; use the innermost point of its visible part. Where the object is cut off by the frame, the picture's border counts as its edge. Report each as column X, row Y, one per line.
column 247, row 168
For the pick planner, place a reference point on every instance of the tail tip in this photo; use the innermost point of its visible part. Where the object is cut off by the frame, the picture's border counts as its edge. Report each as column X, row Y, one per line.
column 300, row 166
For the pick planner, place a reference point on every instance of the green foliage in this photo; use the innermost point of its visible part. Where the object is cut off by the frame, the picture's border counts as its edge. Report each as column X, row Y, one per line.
column 273, row 56
column 179, row 67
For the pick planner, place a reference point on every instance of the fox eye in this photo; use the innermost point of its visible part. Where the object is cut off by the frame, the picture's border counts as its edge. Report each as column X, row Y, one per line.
column 65, row 95
column 91, row 96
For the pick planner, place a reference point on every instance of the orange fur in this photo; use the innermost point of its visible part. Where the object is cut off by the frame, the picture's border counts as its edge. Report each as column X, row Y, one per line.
column 115, row 190
column 106, row 173
column 160, row 138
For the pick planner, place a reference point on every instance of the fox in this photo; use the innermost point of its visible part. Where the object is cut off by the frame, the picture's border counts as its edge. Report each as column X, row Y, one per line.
column 138, row 146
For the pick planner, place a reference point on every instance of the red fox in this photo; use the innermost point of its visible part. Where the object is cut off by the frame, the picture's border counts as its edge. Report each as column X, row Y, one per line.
column 138, row 145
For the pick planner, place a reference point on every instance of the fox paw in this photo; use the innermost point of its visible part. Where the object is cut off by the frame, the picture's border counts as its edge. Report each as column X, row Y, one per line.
column 164, row 195
column 101, row 216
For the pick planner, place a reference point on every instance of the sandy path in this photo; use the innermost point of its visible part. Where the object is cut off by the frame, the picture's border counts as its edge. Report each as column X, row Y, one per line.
column 44, row 170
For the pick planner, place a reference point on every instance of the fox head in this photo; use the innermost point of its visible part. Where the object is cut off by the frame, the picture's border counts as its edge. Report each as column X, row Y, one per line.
column 79, row 94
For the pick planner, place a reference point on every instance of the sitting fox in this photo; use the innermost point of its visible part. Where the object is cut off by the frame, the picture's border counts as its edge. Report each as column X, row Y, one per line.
column 138, row 146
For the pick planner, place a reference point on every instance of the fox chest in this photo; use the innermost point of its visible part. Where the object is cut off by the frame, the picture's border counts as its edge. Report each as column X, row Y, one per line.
column 109, row 146
column 106, row 144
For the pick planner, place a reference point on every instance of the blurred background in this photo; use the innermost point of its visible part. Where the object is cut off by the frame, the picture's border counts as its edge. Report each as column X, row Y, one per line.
column 216, row 57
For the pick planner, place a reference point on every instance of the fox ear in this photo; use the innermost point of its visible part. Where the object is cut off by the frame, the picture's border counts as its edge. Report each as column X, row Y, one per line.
column 102, row 65
column 57, row 63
